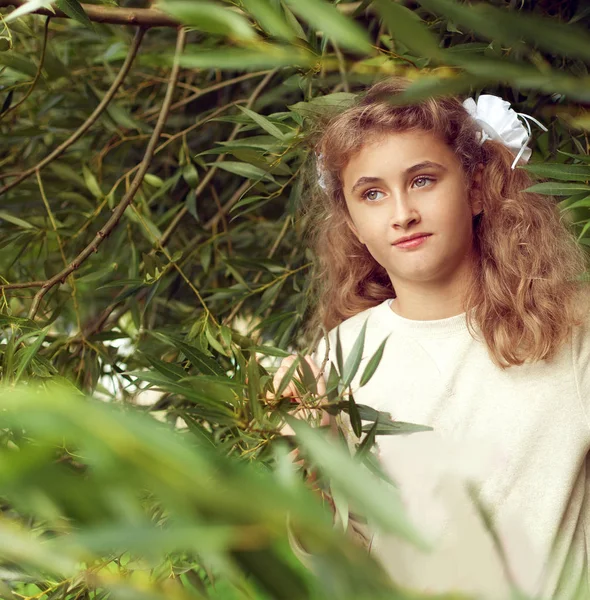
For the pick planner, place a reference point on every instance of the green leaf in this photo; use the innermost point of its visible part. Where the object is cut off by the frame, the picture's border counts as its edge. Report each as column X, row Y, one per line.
column 25, row 356
column 355, row 418
column 15, row 220
column 353, row 360
column 379, row 500
column 74, row 10
column 509, row 27
column 558, row 189
column 366, row 445
column 325, row 17
column 268, row 351
column 389, row 427
column 582, row 203
column 373, row 363
column 559, row 171
column 247, row 59
column 263, row 122
column 287, row 377
column 405, row 26
column 253, row 387
column 332, row 383
column 307, row 376
column 339, row 359
column 92, row 183
column 270, row 18
column 16, row 62
column 210, row 17
column 244, row 170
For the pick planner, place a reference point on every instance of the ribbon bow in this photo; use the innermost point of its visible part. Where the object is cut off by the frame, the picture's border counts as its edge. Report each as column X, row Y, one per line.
column 500, row 122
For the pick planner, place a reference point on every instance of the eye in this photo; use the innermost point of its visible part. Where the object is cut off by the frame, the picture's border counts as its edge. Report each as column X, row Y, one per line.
column 422, row 181
column 369, row 195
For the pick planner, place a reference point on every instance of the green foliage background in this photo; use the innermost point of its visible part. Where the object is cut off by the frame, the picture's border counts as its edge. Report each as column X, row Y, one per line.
column 151, row 257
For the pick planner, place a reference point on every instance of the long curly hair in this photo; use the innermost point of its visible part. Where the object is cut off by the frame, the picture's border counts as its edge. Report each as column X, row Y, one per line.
column 528, row 288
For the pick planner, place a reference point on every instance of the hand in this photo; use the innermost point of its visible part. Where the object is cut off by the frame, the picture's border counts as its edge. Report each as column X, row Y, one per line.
column 291, row 391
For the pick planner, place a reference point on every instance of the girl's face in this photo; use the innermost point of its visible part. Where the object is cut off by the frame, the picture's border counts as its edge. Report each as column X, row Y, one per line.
column 407, row 183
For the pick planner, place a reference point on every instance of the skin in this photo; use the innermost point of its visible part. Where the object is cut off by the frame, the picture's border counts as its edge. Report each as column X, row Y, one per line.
column 390, row 202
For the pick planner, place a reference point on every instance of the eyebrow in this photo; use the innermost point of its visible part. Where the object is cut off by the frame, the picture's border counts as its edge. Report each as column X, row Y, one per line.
column 427, row 164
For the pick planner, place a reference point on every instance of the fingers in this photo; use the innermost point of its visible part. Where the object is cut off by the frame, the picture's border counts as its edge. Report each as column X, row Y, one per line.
column 291, row 389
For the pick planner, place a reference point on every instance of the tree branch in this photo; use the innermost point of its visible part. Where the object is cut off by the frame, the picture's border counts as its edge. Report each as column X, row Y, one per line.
column 144, row 17
column 90, row 120
column 130, row 194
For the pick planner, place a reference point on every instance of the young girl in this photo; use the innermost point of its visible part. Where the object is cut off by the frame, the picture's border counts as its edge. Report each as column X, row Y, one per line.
column 422, row 231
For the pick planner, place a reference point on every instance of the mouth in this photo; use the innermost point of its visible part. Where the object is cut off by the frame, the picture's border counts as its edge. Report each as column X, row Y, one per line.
column 413, row 242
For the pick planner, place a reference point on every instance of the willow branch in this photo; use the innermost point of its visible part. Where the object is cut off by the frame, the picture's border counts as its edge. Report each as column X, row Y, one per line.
column 130, row 194
column 37, row 74
column 21, row 286
column 144, row 17
column 90, row 120
column 205, row 181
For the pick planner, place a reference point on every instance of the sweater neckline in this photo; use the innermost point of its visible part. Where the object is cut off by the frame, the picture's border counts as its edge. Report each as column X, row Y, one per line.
column 435, row 327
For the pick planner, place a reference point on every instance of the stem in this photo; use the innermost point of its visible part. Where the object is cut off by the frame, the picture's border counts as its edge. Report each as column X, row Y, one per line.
column 91, row 119
column 133, row 188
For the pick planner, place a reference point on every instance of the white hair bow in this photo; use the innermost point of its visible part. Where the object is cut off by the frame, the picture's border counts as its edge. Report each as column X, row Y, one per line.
column 500, row 122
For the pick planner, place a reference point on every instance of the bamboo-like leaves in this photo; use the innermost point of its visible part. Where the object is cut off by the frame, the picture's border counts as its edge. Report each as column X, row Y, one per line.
column 373, row 363
column 325, row 17
column 353, row 359
column 406, row 27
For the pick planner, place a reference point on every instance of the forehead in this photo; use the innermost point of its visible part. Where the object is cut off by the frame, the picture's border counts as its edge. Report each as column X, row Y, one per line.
column 393, row 152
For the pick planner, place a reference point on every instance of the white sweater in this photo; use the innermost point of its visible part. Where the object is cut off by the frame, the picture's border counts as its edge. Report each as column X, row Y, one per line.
column 521, row 435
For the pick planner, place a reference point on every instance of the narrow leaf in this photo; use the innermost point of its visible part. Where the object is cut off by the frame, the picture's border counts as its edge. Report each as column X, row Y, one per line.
column 558, row 189
column 263, row 122
column 366, row 445
column 269, row 18
column 353, row 360
column 74, row 10
column 326, row 18
column 286, row 380
column 355, row 418
column 25, row 356
column 210, row 17
column 373, row 363
column 405, row 26
column 560, row 171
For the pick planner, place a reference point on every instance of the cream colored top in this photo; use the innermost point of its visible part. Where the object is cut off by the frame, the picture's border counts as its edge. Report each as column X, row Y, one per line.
column 520, row 435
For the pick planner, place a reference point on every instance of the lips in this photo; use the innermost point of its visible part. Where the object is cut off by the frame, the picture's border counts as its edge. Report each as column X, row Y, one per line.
column 413, row 237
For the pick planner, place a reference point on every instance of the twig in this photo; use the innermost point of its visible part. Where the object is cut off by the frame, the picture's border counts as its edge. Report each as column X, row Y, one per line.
column 37, row 74
column 144, row 17
column 148, row 115
column 130, row 194
column 205, row 181
column 90, row 120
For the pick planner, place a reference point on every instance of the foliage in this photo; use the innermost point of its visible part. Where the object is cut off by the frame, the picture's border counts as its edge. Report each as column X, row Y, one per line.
column 151, row 256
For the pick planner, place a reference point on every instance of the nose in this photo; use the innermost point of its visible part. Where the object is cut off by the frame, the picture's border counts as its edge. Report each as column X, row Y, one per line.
column 403, row 212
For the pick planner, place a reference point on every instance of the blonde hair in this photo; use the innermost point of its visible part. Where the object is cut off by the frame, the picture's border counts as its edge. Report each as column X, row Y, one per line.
column 526, row 293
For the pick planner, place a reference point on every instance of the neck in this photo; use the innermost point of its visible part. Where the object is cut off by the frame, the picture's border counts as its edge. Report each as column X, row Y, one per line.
column 427, row 301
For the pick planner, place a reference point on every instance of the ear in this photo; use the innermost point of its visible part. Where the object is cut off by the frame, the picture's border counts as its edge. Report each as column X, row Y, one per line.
column 476, row 195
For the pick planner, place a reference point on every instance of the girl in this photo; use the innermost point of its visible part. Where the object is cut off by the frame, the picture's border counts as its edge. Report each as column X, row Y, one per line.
column 423, row 233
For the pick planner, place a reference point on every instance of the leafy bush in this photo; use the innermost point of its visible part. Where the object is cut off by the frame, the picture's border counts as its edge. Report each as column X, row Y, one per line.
column 154, row 270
